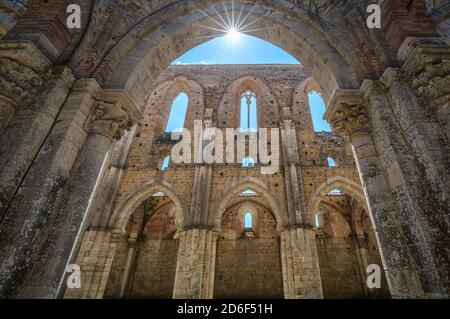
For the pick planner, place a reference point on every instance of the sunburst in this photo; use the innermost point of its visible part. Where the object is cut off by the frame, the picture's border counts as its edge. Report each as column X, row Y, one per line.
column 232, row 24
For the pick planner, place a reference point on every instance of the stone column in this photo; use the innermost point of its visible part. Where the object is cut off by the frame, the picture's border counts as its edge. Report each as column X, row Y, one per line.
column 385, row 169
column 194, row 278
column 23, row 226
column 299, row 260
column 113, row 113
column 360, row 243
column 294, row 184
column 95, row 260
column 32, row 93
column 300, row 263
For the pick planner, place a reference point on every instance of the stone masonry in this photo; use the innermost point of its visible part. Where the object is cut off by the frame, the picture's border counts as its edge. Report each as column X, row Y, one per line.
column 83, row 114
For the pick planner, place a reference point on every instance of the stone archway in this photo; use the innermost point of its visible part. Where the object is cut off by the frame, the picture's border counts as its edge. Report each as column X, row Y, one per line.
column 345, row 250
column 125, row 63
column 246, row 183
column 145, row 256
column 343, row 183
column 332, row 65
column 127, row 206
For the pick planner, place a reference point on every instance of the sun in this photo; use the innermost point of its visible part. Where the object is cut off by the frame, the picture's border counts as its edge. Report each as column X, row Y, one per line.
column 233, row 34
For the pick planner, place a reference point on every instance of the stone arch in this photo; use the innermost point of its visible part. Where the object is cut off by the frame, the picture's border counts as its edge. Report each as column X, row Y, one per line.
column 352, row 188
column 294, row 28
column 243, row 184
column 133, row 199
column 230, row 104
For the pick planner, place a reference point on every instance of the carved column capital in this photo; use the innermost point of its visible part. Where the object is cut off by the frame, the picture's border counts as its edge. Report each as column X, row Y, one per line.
column 113, row 114
column 347, row 112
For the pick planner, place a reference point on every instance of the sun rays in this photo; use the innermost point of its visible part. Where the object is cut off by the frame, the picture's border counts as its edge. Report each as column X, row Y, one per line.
column 232, row 23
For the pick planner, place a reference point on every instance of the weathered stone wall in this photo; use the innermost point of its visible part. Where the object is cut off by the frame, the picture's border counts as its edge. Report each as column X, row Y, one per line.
column 154, row 272
column 339, row 268
column 248, row 263
column 214, row 94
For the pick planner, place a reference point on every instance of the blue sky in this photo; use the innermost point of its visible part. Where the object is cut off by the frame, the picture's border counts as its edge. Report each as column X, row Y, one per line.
column 245, row 50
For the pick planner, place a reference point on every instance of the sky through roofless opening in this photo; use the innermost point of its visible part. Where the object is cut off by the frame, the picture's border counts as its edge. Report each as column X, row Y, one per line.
column 239, row 48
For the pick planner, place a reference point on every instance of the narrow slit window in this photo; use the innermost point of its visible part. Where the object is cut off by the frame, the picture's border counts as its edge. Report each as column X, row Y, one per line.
column 248, row 220
column 165, row 163
column 331, row 162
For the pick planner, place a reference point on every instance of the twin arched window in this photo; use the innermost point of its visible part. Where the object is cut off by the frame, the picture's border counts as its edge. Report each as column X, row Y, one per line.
column 249, row 119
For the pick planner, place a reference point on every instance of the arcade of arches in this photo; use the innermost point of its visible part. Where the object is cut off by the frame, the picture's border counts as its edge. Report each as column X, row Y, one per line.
column 86, row 174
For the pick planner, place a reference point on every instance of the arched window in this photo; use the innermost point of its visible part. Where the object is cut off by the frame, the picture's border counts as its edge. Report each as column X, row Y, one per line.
column 249, row 121
column 331, row 162
column 178, row 113
column 248, row 220
column 316, row 221
column 165, row 163
column 317, row 106
column 248, row 162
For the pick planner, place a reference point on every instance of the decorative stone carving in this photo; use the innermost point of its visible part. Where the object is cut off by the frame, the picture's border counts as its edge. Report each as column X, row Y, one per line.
column 23, row 70
column 110, row 119
column 347, row 112
column 113, row 114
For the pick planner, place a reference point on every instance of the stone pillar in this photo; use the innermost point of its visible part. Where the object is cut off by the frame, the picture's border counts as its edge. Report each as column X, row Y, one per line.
column 110, row 183
column 360, row 243
column 388, row 176
column 32, row 93
column 415, row 165
column 300, row 263
column 131, row 259
column 95, row 260
column 294, row 184
column 299, row 260
column 113, row 113
column 40, row 190
column 194, row 278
